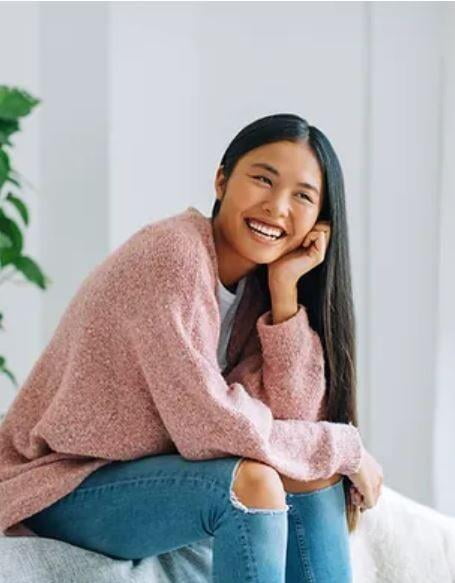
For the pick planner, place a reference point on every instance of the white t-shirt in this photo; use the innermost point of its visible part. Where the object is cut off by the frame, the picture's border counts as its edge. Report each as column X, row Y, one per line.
column 228, row 303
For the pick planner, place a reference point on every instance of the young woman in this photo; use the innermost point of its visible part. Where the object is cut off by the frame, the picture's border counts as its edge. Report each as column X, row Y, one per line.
column 201, row 383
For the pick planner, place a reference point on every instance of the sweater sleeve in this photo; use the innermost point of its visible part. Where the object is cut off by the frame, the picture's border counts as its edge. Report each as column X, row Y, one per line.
column 287, row 372
column 175, row 338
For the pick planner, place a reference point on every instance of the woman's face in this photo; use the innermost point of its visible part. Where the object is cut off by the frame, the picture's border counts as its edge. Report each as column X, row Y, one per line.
column 265, row 186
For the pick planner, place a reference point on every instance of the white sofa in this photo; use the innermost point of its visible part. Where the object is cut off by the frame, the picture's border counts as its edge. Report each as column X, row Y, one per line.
column 398, row 541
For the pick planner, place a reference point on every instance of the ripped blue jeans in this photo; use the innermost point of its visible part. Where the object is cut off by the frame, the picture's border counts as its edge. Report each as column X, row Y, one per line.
column 155, row 504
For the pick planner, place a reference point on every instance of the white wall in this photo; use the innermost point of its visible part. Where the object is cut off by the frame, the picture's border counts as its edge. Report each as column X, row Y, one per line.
column 74, row 152
column 137, row 132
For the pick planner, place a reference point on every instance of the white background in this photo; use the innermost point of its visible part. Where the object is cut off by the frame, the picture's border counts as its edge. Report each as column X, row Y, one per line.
column 140, row 101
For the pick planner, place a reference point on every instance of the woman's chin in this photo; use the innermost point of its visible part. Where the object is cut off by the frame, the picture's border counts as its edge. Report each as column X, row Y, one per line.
column 260, row 257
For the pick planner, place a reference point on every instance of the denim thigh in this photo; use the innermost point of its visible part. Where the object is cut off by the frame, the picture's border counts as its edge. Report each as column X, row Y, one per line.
column 143, row 507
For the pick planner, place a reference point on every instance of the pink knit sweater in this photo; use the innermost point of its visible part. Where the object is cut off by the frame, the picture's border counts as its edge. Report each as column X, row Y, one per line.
column 132, row 371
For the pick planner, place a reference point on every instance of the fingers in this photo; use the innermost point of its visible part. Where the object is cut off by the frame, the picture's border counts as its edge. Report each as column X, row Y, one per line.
column 323, row 226
column 320, row 242
column 371, row 489
column 365, row 502
column 320, row 232
column 356, row 496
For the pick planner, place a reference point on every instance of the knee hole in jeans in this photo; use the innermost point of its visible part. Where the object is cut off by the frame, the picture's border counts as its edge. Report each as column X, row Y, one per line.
column 257, row 487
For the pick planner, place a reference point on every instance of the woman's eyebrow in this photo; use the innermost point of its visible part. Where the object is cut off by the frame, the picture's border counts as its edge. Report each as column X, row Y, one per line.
column 273, row 170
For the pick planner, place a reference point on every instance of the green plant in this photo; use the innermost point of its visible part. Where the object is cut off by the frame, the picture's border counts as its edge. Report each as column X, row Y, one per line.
column 14, row 104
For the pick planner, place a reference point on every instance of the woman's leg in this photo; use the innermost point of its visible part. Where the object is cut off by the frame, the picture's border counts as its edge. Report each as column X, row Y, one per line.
column 144, row 507
column 318, row 548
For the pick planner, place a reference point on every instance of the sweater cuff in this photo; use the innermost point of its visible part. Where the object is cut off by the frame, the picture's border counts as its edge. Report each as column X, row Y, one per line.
column 352, row 450
column 284, row 339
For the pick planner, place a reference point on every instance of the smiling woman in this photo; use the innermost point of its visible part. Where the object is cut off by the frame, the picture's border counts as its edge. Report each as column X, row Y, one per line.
column 203, row 342
column 280, row 173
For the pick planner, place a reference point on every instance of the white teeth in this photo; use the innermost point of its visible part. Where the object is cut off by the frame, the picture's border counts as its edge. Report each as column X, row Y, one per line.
column 270, row 231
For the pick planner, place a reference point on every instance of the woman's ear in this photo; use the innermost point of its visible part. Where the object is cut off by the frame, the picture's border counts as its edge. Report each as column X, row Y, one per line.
column 220, row 183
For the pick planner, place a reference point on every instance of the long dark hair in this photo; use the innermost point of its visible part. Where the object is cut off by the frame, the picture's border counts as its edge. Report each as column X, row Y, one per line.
column 326, row 290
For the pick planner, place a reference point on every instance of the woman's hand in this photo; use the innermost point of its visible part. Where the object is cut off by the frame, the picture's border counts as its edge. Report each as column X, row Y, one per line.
column 288, row 269
column 367, row 482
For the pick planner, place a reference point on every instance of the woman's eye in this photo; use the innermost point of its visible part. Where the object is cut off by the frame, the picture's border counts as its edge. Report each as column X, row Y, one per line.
column 264, row 177
column 308, row 197
column 270, row 182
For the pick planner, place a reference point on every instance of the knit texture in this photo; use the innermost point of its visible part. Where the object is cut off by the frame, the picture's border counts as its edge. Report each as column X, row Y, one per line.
column 132, row 371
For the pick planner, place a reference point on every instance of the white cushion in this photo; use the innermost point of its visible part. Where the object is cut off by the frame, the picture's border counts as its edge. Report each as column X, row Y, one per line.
column 32, row 559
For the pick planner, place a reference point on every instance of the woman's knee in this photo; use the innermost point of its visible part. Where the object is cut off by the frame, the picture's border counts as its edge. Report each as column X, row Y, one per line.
column 258, row 485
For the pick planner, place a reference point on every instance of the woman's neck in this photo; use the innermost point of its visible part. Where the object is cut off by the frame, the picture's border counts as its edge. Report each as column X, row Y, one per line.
column 231, row 266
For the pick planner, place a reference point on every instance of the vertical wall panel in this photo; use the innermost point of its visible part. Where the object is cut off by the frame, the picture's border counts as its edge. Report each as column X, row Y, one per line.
column 403, row 232
column 444, row 459
column 74, row 154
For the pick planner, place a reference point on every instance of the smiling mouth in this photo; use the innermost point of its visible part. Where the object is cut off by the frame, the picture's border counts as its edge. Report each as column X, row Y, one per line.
column 259, row 236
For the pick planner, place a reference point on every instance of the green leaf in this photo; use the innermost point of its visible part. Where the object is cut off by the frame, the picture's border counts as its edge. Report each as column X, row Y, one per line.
column 7, row 128
column 15, row 102
column 4, row 370
column 7, row 255
column 31, row 270
column 13, row 181
column 5, row 241
column 9, row 227
column 19, row 205
column 4, row 167
column 1, row 322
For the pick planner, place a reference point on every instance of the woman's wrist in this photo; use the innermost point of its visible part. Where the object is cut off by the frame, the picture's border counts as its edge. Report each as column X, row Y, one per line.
column 284, row 302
